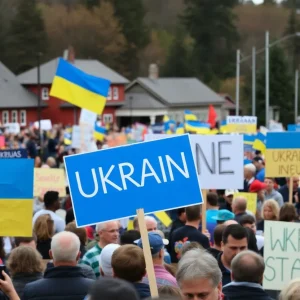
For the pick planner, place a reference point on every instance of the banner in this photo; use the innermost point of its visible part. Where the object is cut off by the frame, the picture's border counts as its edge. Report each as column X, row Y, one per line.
column 240, row 124
column 13, row 153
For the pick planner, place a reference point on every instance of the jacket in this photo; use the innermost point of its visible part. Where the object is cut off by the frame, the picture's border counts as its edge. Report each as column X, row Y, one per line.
column 142, row 289
column 59, row 283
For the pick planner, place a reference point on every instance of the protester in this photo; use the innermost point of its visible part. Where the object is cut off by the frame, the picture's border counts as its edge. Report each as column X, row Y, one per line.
column 239, row 206
column 82, row 235
column 26, row 241
column 259, row 188
column 270, row 212
column 167, row 256
column 216, row 249
column 212, row 209
column 189, row 246
column 247, row 270
column 284, row 190
column 65, row 280
column 260, row 168
column 249, row 176
column 7, row 288
column 151, row 223
column 105, row 260
column 288, row 213
column 252, row 242
column 291, row 291
column 228, row 196
column 129, row 237
column 271, row 193
column 180, row 220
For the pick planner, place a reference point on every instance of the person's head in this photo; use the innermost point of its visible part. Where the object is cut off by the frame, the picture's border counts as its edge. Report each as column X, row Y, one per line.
column 198, row 273
column 136, row 224
column 51, row 162
column 2, row 250
column 230, row 222
column 270, row 210
column 249, row 171
column 187, row 246
column 248, row 266
column 80, row 232
column 228, row 195
column 239, row 205
column 26, row 241
column 270, row 182
column 212, row 200
column 169, row 291
column 218, row 233
column 258, row 163
column 44, row 228
column 24, row 259
column 181, row 214
column 127, row 268
column 248, row 221
column 193, row 213
column 291, row 291
column 112, row 289
column 37, row 162
column 295, row 183
column 223, row 215
column 128, row 237
column 252, row 242
column 108, row 232
column 234, row 240
column 151, row 223
column 105, row 259
column 287, row 213
column 259, row 188
column 51, row 200
column 65, row 249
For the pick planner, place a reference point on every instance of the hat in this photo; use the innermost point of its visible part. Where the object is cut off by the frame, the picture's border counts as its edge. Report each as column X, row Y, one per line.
column 257, row 186
column 105, row 259
column 156, row 242
column 112, row 289
column 224, row 215
column 230, row 192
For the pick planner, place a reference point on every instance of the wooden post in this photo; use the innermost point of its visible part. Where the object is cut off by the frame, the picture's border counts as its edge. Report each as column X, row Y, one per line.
column 147, row 253
column 204, row 195
column 291, row 190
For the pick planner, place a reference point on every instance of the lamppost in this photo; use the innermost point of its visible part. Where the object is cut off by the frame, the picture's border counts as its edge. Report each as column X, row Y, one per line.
column 39, row 112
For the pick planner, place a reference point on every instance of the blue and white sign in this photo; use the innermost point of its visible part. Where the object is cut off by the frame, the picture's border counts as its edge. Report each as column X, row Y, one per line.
column 113, row 183
column 294, row 127
column 13, row 153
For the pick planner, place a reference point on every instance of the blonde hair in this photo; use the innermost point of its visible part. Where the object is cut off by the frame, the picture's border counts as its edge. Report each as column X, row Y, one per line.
column 291, row 291
column 274, row 207
column 44, row 227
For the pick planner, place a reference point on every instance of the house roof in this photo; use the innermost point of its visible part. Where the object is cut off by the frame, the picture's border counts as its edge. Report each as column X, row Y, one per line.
column 177, row 92
column 90, row 66
column 12, row 93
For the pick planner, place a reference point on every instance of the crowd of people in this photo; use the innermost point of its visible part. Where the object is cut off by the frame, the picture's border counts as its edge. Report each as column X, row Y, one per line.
column 106, row 261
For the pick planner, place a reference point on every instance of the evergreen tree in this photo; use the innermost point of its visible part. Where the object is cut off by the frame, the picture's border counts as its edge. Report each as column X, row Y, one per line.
column 28, row 36
column 212, row 25
column 281, row 87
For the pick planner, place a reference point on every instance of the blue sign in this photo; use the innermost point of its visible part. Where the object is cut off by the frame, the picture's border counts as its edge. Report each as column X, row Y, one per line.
column 13, row 153
column 113, row 183
column 294, row 127
column 16, row 178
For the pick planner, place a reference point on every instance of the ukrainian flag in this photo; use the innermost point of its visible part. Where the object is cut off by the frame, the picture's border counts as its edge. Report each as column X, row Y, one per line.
column 223, row 127
column 248, row 142
column 99, row 133
column 180, row 129
column 189, row 116
column 260, row 143
column 83, row 90
column 169, row 124
column 197, row 127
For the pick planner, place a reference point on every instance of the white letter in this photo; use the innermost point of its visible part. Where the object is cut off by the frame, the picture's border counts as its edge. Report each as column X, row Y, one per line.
column 127, row 176
column 184, row 172
column 104, row 179
column 80, row 187
column 162, row 167
column 144, row 175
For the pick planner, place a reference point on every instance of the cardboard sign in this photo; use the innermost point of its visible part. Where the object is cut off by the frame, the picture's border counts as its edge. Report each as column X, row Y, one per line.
column 87, row 117
column 13, row 153
column 251, row 200
column 239, row 124
column 283, row 154
column 45, row 125
column 13, row 128
column 113, row 183
column 275, row 126
column 219, row 159
column 49, row 180
column 82, row 138
column 281, row 254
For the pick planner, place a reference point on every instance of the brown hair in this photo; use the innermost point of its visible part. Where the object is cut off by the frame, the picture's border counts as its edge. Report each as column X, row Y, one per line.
column 2, row 251
column 44, row 227
column 168, row 290
column 171, row 269
column 128, row 263
column 193, row 213
column 25, row 259
column 189, row 246
column 25, row 240
column 80, row 232
column 287, row 213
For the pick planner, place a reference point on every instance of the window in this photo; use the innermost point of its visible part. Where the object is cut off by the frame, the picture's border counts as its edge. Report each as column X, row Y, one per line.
column 14, row 116
column 23, row 118
column 45, row 93
column 107, row 118
column 109, row 94
column 5, row 117
column 116, row 93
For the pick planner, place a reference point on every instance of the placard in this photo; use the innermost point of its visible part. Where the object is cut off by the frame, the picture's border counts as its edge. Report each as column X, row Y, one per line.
column 13, row 153
column 45, row 125
column 13, row 128
column 87, row 117
column 241, row 124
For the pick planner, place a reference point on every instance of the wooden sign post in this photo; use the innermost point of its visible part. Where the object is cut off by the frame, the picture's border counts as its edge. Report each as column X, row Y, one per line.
column 147, row 253
column 204, row 197
column 291, row 190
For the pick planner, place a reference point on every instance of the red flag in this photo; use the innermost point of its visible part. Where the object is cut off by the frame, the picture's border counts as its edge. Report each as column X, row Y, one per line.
column 212, row 116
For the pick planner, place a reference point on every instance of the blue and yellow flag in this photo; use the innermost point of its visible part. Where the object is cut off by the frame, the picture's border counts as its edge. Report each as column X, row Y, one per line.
column 180, row 129
column 99, row 133
column 83, row 90
column 189, row 116
column 197, row 127
column 260, row 143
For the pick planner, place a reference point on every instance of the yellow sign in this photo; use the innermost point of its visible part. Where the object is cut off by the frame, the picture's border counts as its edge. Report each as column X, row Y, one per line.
column 282, row 162
column 241, row 128
column 49, row 180
column 16, row 217
column 251, row 200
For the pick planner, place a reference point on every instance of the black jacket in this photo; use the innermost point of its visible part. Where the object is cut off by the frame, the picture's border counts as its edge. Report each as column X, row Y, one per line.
column 59, row 283
column 245, row 292
column 21, row 279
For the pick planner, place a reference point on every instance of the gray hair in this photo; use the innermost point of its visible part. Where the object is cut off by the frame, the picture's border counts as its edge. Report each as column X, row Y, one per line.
column 250, row 167
column 100, row 226
column 65, row 246
column 248, row 266
column 150, row 218
column 291, row 291
column 198, row 264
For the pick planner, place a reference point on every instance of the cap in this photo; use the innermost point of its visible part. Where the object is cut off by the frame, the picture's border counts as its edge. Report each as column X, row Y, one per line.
column 224, row 215
column 105, row 259
column 112, row 289
column 230, row 192
column 156, row 242
column 257, row 186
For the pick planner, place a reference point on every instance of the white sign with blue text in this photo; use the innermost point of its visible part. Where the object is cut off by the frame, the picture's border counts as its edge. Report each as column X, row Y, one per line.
column 113, row 183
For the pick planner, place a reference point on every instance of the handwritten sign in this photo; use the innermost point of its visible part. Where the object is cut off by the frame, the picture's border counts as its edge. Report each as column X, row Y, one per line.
column 251, row 200
column 218, row 158
column 281, row 254
column 240, row 124
column 49, row 180
column 13, row 128
column 45, row 125
column 283, row 154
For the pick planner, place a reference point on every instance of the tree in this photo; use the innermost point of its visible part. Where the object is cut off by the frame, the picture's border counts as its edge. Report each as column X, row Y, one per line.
column 28, row 36
column 281, row 87
column 270, row 2
column 215, row 41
